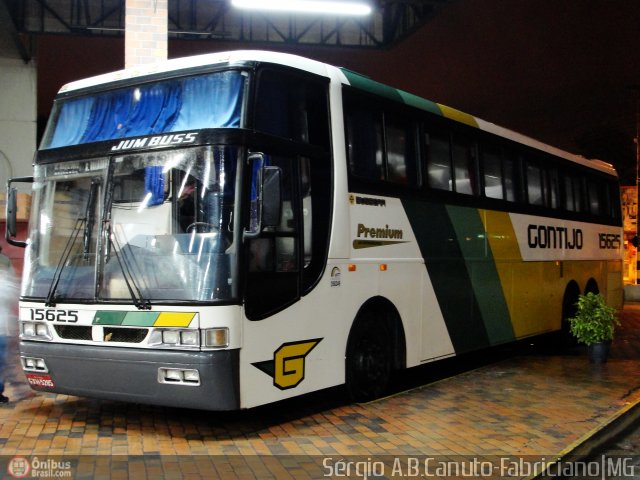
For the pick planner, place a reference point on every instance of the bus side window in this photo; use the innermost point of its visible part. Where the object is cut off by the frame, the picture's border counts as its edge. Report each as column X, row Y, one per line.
column 463, row 154
column 552, row 187
column 401, row 151
column 578, row 193
column 438, row 161
column 492, row 172
column 593, row 193
column 364, row 137
column 534, row 184
column 511, row 179
column 569, row 203
column 292, row 107
column 613, row 199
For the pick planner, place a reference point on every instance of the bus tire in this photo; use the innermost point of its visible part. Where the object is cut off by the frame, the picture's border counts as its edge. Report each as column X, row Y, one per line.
column 369, row 359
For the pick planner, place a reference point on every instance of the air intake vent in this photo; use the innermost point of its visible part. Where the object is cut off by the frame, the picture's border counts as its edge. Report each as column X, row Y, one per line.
column 73, row 332
column 127, row 335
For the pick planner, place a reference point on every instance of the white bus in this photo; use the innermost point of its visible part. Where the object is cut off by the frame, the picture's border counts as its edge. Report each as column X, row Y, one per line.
column 228, row 230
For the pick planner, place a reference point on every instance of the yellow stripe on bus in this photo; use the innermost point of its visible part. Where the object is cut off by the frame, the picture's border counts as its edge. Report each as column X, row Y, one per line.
column 506, row 255
column 458, row 116
column 524, row 284
column 174, row 319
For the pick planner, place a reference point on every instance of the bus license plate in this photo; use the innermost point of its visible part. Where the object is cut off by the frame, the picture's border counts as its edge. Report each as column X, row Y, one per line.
column 40, row 380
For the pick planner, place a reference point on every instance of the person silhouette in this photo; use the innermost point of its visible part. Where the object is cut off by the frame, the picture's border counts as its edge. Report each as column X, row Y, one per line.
column 8, row 295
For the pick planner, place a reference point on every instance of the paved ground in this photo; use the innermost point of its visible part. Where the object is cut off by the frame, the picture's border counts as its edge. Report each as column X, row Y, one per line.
column 624, row 447
column 535, row 405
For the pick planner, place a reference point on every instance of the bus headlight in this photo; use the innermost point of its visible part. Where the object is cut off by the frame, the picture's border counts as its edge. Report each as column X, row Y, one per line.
column 35, row 330
column 42, row 330
column 33, row 364
column 178, row 376
column 175, row 337
column 29, row 329
column 171, row 337
column 190, row 338
column 216, row 337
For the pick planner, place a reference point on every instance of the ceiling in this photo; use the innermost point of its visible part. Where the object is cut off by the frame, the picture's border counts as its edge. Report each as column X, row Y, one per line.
column 390, row 22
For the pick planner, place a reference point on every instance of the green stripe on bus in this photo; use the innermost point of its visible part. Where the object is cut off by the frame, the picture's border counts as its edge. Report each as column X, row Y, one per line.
column 419, row 102
column 377, row 88
column 108, row 318
column 140, row 319
column 482, row 272
column 446, row 266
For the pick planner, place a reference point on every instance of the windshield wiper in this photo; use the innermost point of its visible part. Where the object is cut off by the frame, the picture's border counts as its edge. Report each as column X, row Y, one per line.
column 87, row 221
column 125, row 267
column 90, row 216
column 134, row 291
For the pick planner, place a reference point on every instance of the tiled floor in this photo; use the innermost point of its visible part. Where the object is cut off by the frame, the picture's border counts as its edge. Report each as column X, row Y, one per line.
column 532, row 405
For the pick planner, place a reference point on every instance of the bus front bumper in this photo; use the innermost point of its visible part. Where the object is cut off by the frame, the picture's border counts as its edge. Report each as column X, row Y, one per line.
column 137, row 375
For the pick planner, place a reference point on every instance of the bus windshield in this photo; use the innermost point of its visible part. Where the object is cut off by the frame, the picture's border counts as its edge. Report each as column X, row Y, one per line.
column 154, row 226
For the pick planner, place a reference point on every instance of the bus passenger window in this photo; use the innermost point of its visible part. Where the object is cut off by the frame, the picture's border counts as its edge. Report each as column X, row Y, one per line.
column 612, row 200
column 578, row 194
column 463, row 166
column 534, row 184
column 552, row 187
column 491, row 163
column 401, row 159
column 594, row 197
column 510, row 179
column 569, row 203
column 364, row 137
column 438, row 161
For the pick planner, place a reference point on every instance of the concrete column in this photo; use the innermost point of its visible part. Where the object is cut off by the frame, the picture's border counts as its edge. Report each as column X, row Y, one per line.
column 146, row 29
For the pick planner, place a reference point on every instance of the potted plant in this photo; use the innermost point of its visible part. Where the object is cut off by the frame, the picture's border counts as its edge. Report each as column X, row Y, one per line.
column 594, row 324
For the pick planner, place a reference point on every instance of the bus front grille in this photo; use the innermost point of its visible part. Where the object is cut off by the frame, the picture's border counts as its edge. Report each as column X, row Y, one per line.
column 124, row 335
column 127, row 335
column 73, row 332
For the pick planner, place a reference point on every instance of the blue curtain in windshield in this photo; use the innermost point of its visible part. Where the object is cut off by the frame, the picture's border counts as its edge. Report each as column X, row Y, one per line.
column 155, row 109
column 107, row 117
column 209, row 101
column 72, row 121
column 195, row 113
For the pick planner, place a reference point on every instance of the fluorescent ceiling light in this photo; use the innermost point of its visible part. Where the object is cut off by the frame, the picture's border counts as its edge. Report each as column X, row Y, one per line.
column 328, row 7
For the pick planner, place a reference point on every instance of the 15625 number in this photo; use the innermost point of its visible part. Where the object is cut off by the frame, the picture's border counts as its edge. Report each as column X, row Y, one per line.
column 39, row 314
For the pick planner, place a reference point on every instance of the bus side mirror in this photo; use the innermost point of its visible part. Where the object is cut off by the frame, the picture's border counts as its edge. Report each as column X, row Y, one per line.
column 271, row 196
column 11, row 212
column 265, row 205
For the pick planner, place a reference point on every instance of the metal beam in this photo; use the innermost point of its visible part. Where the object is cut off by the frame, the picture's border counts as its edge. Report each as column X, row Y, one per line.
column 6, row 18
column 390, row 22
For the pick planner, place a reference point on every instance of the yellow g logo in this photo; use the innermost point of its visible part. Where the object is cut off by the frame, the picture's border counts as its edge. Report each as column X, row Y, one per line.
column 288, row 365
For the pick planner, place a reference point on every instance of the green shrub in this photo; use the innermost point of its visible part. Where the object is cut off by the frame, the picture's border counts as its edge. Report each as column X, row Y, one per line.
column 594, row 321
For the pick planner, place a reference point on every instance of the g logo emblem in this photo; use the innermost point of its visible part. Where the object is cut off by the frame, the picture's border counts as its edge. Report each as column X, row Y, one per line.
column 288, row 365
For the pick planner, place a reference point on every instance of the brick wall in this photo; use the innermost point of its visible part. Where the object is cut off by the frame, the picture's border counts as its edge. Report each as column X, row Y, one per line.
column 146, row 31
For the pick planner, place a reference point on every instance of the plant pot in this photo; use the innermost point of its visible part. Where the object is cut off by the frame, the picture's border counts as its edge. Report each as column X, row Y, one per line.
column 598, row 352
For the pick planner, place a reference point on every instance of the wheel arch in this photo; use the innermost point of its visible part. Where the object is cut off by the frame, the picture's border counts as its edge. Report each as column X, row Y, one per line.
column 571, row 294
column 592, row 286
column 383, row 307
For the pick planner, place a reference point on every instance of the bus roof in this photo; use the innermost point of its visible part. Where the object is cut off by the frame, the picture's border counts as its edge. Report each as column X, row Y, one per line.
column 346, row 76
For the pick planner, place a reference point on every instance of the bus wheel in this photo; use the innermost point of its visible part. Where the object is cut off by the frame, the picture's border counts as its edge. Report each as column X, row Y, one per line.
column 369, row 358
